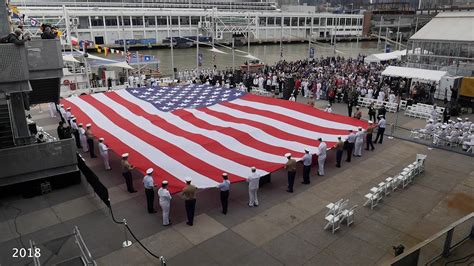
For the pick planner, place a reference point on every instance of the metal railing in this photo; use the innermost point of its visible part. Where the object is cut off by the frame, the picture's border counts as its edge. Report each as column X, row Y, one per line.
column 439, row 245
column 33, row 161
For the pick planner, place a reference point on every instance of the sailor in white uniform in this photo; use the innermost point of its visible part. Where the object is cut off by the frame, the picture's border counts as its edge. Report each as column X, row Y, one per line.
column 165, row 201
column 359, row 142
column 322, row 148
column 104, row 153
column 254, row 182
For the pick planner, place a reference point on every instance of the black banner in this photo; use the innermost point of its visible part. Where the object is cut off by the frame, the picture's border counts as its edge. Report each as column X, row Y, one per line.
column 93, row 180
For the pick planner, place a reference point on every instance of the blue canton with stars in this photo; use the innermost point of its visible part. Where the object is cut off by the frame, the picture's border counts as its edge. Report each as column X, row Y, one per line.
column 168, row 99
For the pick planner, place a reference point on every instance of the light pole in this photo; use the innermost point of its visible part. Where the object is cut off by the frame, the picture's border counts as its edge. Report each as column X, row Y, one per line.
column 248, row 51
column 233, row 53
column 281, row 35
column 172, row 59
column 197, row 49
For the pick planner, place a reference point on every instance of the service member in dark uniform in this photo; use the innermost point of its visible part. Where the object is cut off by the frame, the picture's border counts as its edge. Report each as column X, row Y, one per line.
column 149, row 185
column 127, row 173
column 368, row 137
column 224, row 192
column 339, row 151
column 290, row 166
column 189, row 195
column 90, row 140
column 307, row 161
column 350, row 145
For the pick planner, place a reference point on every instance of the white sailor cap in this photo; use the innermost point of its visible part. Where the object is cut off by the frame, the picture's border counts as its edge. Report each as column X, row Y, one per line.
column 69, row 108
column 443, row 126
column 80, row 124
column 467, row 118
column 61, row 105
column 253, row 168
column 188, row 179
column 149, row 171
column 124, row 155
column 101, row 139
column 360, row 128
column 329, row 105
column 224, row 174
column 371, row 122
column 287, row 154
column 459, row 119
column 306, row 149
column 164, row 182
column 73, row 118
column 88, row 125
column 431, row 121
column 450, row 121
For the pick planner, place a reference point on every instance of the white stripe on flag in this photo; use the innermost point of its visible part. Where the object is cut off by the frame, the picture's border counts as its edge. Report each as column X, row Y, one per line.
column 190, row 147
column 153, row 154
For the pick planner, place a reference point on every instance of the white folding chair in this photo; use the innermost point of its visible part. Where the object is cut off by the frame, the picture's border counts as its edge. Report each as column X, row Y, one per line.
column 348, row 215
column 333, row 208
column 373, row 198
column 333, row 221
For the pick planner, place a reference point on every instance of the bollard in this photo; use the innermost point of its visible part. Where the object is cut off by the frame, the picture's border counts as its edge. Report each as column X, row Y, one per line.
column 127, row 242
column 162, row 261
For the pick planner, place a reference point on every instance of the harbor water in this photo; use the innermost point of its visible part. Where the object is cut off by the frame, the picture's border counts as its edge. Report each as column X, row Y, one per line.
column 186, row 58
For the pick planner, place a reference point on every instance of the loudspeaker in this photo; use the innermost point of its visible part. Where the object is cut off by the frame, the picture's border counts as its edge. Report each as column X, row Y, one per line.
column 288, row 87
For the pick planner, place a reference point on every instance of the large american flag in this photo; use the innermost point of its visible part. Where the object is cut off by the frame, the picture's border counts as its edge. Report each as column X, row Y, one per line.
column 202, row 131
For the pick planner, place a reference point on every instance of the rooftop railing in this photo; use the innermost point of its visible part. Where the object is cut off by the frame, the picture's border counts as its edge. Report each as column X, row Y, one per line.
column 440, row 245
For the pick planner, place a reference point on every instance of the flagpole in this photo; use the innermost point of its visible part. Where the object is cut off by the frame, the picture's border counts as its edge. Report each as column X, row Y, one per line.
column 125, row 47
column 86, row 66
column 172, row 58
column 233, row 54
column 69, row 37
column 248, row 51
column 138, row 64
column 197, row 49
column 281, row 36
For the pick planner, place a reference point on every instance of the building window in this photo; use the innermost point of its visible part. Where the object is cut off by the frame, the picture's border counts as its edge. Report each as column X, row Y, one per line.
column 271, row 20
column 302, row 21
column 137, row 21
column 294, row 21
column 195, row 20
column 149, row 21
column 315, row 21
column 126, row 21
column 329, row 22
column 161, row 21
column 174, row 21
column 286, row 21
column 262, row 21
column 278, row 21
column 97, row 21
column 184, row 21
column 110, row 21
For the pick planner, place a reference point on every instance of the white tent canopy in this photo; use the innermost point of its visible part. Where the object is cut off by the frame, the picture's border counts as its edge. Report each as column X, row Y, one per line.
column 376, row 58
column 414, row 73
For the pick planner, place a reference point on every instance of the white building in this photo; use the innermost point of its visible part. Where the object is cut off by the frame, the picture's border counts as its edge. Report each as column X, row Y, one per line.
column 106, row 23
